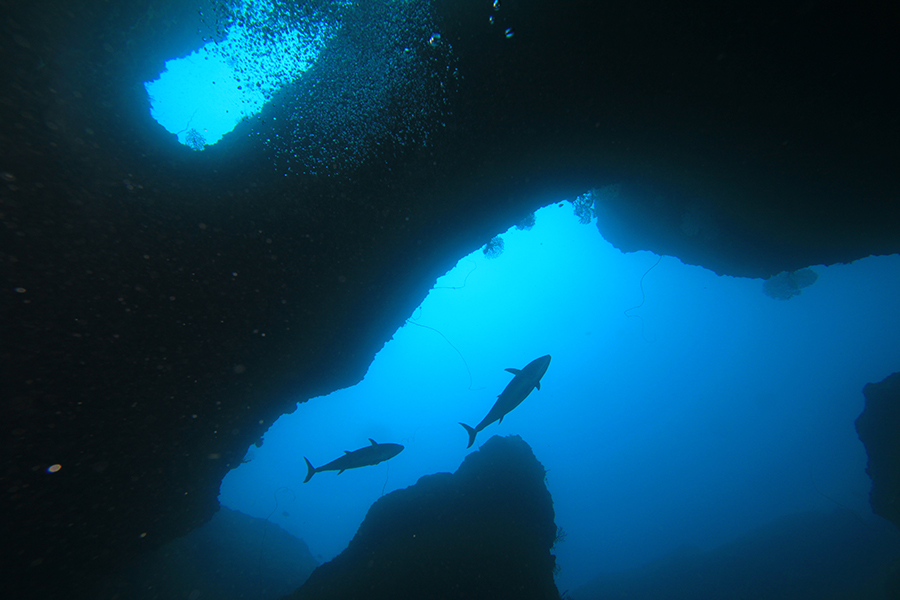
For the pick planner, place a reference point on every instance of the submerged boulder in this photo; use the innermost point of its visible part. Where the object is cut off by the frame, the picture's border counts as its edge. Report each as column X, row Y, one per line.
column 233, row 556
column 482, row 532
column 877, row 427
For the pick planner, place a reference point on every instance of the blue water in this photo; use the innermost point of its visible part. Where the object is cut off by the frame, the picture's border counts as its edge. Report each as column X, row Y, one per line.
column 680, row 407
column 203, row 96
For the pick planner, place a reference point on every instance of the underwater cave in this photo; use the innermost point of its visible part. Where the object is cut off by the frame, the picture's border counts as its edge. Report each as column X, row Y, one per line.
column 244, row 234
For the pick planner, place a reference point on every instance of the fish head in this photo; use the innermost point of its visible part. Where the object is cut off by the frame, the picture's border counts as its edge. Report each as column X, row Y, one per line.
column 538, row 367
column 389, row 451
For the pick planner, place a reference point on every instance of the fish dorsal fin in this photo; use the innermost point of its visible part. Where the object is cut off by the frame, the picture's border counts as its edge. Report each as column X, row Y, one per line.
column 538, row 385
column 346, row 452
column 374, row 443
column 514, row 371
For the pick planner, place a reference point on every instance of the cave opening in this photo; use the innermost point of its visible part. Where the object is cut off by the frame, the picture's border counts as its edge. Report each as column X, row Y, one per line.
column 201, row 97
column 682, row 408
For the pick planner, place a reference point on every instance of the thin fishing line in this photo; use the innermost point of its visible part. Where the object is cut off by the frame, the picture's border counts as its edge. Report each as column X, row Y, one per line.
column 826, row 496
column 188, row 123
column 451, row 287
column 266, row 529
column 387, row 474
column 643, row 298
column 413, row 437
column 458, row 287
column 465, row 362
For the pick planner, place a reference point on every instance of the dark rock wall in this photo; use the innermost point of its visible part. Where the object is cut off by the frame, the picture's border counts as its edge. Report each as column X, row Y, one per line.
column 233, row 556
column 878, row 428
column 483, row 532
column 759, row 116
column 161, row 308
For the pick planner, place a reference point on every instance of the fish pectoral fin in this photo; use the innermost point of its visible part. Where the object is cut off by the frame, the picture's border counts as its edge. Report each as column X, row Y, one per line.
column 341, row 471
column 514, row 371
column 374, row 443
column 501, row 420
column 538, row 385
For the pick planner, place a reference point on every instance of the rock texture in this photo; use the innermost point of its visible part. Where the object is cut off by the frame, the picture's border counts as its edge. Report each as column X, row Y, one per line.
column 162, row 307
column 878, row 428
column 232, row 557
column 484, row 532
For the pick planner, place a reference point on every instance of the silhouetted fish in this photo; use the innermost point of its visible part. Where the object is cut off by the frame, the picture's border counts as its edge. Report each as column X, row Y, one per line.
column 518, row 389
column 370, row 455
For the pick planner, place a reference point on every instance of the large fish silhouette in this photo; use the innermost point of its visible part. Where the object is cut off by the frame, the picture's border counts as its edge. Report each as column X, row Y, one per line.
column 364, row 457
column 518, row 389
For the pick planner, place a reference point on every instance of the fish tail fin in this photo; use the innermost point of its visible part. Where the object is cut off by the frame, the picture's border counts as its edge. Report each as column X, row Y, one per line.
column 310, row 470
column 472, row 433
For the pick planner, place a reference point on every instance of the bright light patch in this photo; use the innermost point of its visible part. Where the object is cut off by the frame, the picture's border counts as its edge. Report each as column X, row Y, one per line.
column 203, row 96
